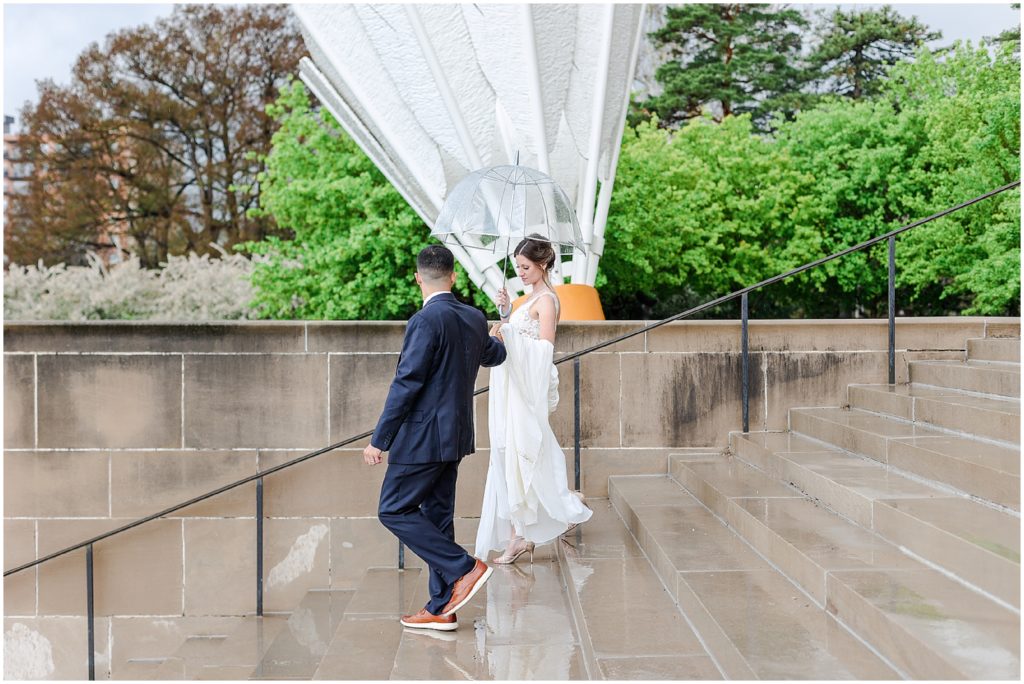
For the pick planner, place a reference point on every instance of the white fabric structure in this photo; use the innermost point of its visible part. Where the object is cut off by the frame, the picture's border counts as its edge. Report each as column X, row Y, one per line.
column 434, row 92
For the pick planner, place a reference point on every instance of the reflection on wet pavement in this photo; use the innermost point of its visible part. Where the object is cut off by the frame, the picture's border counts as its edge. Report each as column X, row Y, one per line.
column 519, row 627
column 302, row 643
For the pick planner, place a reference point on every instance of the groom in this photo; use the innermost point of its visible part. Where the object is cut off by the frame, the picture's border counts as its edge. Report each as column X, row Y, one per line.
column 427, row 425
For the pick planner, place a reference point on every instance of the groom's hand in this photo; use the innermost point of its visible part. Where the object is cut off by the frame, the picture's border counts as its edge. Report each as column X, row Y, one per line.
column 372, row 455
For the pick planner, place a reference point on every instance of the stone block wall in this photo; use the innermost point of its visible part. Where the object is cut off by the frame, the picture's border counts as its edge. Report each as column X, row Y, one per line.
column 108, row 422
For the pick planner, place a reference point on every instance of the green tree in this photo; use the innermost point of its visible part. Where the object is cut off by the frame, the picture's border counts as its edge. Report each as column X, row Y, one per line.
column 969, row 106
column 707, row 209
column 728, row 59
column 857, row 47
column 862, row 156
column 355, row 240
column 697, row 213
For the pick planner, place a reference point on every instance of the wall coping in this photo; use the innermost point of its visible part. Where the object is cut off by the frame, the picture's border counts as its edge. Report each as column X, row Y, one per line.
column 633, row 323
column 375, row 337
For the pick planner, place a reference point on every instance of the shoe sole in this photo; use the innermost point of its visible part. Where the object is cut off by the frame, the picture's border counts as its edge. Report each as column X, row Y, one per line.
column 476, row 587
column 437, row 626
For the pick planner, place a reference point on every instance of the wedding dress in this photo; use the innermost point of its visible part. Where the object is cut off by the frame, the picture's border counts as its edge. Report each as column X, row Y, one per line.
column 526, row 481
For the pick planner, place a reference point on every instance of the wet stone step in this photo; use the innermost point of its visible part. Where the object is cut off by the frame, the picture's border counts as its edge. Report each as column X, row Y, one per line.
column 973, row 541
column 847, row 569
column 979, row 468
column 300, row 645
column 629, row 624
column 755, row 622
column 986, row 377
column 994, row 349
column 996, row 418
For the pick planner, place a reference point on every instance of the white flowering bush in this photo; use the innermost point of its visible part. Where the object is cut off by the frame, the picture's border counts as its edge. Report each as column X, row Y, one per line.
column 187, row 288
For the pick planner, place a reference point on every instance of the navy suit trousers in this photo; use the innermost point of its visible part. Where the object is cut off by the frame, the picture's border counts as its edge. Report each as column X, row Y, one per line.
column 417, row 503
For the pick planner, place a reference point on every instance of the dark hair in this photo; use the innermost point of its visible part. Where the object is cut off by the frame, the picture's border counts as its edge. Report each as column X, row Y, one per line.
column 435, row 262
column 538, row 250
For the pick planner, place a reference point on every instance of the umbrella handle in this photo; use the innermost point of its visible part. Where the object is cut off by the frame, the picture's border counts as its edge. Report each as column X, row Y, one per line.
column 505, row 314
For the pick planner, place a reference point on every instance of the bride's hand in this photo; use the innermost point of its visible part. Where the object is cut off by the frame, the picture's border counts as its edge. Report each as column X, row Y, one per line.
column 503, row 298
column 496, row 331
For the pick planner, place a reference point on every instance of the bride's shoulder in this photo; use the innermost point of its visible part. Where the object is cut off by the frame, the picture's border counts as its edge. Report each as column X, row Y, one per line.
column 546, row 304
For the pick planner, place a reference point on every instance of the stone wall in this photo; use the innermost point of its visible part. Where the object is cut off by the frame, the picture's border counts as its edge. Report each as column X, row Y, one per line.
column 107, row 422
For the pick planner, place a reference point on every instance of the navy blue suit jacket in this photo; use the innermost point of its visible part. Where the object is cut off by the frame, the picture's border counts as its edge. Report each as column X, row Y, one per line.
column 428, row 415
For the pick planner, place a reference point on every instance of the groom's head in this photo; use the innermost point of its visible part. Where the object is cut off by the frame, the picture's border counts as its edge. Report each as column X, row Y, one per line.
column 435, row 269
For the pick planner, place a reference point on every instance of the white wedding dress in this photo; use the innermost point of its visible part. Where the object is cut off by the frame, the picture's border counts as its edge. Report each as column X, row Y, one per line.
column 526, row 481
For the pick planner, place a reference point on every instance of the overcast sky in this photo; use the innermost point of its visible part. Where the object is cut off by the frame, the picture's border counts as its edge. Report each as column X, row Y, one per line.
column 43, row 40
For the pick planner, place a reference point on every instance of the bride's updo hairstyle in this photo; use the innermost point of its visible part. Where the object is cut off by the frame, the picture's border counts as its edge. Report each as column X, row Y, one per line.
column 539, row 251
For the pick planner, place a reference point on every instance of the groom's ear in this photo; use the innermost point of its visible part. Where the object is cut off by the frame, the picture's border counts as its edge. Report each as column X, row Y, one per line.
column 419, row 279
column 454, row 275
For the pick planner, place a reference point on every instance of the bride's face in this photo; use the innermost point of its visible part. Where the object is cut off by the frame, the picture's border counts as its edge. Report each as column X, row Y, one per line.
column 529, row 272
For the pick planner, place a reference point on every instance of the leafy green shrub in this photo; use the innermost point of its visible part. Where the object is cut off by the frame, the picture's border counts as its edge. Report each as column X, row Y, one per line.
column 355, row 241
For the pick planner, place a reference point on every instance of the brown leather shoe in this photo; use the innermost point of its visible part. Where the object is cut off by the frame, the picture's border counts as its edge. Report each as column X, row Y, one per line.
column 467, row 585
column 425, row 620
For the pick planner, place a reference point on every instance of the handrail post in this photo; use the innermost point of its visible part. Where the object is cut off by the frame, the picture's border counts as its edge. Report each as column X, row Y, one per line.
column 401, row 555
column 90, row 612
column 892, row 309
column 576, row 418
column 745, row 315
column 259, row 547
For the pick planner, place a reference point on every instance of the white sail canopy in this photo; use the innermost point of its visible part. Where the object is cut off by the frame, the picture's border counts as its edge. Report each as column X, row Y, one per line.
column 434, row 92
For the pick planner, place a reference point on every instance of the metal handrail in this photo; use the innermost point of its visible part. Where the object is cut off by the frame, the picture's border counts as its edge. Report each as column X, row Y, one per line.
column 574, row 357
column 568, row 357
column 185, row 504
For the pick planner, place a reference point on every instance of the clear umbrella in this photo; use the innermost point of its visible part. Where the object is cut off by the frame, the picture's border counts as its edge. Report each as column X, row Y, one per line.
column 494, row 208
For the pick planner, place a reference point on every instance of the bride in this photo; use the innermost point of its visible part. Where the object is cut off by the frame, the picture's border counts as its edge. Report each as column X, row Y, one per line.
column 527, row 500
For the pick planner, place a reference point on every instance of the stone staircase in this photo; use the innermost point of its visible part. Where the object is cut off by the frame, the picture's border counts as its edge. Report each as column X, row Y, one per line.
column 877, row 540
column 880, row 540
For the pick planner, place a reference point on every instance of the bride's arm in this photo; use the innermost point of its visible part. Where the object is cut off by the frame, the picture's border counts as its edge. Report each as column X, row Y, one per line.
column 545, row 308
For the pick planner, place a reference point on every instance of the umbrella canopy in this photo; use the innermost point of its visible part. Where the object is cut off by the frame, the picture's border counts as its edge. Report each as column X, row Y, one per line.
column 494, row 208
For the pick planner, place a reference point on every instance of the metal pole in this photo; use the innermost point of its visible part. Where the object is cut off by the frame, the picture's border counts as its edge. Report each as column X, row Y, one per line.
column 745, row 315
column 892, row 309
column 576, row 418
column 90, row 609
column 259, row 547
column 401, row 555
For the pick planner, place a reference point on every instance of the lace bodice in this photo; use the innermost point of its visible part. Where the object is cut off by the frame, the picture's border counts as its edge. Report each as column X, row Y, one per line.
column 523, row 323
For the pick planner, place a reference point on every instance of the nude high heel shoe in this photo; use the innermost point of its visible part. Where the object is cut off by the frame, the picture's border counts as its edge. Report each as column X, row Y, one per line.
column 509, row 560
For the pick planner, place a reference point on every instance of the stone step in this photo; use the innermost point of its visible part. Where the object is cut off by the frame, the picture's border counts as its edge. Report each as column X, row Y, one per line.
column 181, row 665
column 747, row 613
column 994, row 349
column 628, row 623
column 949, row 409
column 223, row 657
column 365, row 641
column 296, row 651
column 924, row 623
column 986, row 377
column 519, row 626
column 144, row 645
column 982, row 469
column 973, row 541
